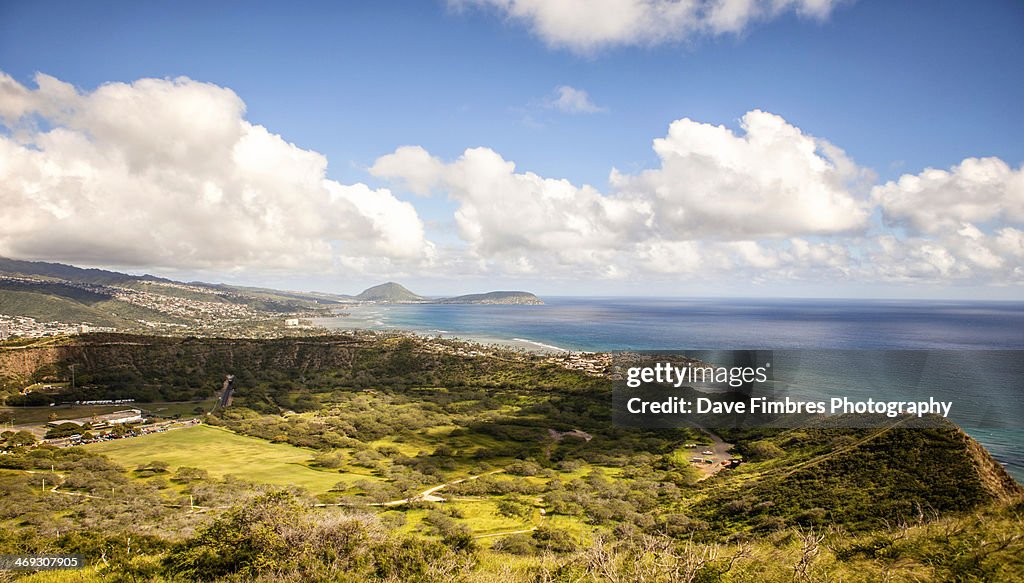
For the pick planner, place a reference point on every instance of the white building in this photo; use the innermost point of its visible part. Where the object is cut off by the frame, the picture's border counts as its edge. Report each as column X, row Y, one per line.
column 115, row 418
column 119, row 417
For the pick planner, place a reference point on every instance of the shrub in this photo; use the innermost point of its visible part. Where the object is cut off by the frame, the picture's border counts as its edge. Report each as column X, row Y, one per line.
column 516, row 544
column 554, row 539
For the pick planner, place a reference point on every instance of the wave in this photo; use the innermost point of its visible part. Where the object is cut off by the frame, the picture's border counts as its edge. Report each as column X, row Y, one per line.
column 541, row 344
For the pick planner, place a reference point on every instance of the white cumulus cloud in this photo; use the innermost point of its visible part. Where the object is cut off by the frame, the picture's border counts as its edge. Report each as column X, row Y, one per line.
column 587, row 25
column 772, row 182
column 168, row 173
column 768, row 202
column 959, row 224
column 978, row 190
column 163, row 173
column 502, row 210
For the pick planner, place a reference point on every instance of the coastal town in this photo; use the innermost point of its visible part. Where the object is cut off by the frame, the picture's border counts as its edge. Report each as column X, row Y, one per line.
column 169, row 312
column 25, row 327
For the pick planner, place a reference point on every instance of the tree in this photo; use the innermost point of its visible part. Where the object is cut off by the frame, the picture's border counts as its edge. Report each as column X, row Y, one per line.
column 155, row 467
column 187, row 475
column 248, row 540
column 765, row 450
column 20, row 438
column 516, row 544
column 554, row 539
column 63, row 430
column 514, row 508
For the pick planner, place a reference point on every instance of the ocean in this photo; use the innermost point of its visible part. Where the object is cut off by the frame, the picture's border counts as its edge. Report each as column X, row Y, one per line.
column 971, row 353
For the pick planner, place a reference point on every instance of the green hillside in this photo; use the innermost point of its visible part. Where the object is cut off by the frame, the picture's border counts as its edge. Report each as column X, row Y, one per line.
column 74, row 295
column 388, row 292
column 48, row 308
column 368, row 458
column 54, row 302
column 858, row 478
column 69, row 272
column 56, row 292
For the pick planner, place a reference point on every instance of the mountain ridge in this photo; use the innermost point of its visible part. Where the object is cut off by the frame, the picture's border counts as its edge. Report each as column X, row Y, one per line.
column 67, row 294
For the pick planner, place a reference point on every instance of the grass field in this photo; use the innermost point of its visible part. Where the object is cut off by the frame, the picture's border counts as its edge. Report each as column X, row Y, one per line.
column 480, row 516
column 182, row 408
column 221, row 452
column 483, row 518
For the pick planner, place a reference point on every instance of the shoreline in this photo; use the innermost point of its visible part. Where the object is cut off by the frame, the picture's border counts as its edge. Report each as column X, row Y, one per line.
column 375, row 324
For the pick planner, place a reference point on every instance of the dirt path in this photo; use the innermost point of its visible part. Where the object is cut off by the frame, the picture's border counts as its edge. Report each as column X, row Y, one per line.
column 813, row 462
column 428, row 495
column 494, row 534
column 56, row 483
column 56, row 490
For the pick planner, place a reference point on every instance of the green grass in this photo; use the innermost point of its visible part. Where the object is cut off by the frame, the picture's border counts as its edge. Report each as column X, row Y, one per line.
column 573, row 524
column 482, row 517
column 54, row 301
column 406, row 448
column 172, row 408
column 45, row 308
column 221, row 452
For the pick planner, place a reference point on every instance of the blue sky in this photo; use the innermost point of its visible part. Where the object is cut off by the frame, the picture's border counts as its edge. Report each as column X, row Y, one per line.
column 899, row 86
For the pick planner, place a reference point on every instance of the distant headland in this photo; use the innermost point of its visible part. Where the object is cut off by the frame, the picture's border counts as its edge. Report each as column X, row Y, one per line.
column 45, row 299
column 394, row 293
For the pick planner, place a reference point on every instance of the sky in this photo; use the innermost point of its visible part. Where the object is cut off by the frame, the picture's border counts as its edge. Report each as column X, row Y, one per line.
column 614, row 147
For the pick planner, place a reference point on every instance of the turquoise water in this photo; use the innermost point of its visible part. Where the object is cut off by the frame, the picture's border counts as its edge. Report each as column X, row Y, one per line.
column 969, row 352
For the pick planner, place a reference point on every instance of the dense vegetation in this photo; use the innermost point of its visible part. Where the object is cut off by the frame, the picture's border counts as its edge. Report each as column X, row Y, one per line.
column 113, row 366
column 861, row 479
column 536, row 483
column 274, row 535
